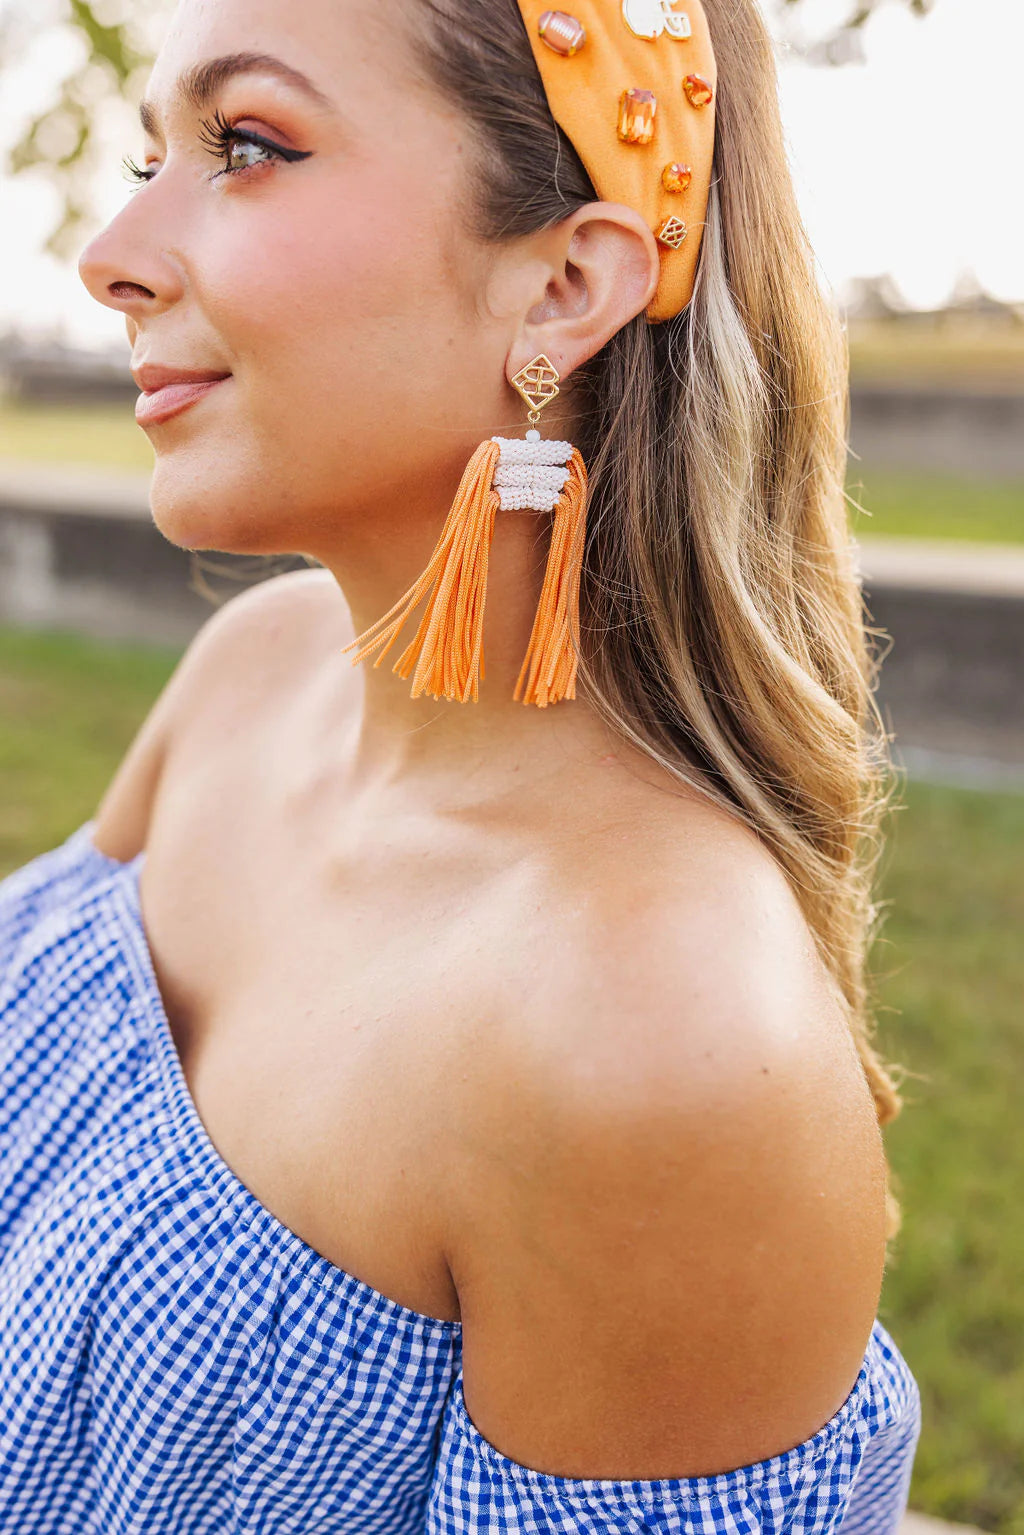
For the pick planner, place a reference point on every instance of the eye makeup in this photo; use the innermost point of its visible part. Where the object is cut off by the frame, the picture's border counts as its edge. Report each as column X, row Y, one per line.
column 224, row 140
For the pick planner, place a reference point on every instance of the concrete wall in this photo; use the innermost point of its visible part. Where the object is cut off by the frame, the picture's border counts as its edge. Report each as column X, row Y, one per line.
column 953, row 680
column 970, row 433
column 81, row 552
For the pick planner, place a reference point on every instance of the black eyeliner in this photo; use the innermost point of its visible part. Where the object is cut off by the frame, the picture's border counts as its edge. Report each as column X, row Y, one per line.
column 218, row 135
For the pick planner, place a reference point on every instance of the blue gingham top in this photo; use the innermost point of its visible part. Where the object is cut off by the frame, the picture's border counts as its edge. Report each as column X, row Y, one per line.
column 176, row 1361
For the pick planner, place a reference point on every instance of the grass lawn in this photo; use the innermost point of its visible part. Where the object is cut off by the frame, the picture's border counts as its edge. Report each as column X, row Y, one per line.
column 951, row 970
column 915, row 505
column 68, row 709
column 103, row 435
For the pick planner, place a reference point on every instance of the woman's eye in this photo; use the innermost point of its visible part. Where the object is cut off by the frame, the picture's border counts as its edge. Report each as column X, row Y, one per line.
column 237, row 149
column 241, row 150
column 241, row 154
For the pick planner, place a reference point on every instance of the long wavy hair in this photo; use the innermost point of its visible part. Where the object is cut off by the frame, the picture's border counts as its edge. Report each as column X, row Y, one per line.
column 723, row 619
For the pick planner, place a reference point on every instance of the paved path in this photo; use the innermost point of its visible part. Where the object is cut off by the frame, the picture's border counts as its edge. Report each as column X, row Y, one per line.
column 78, row 489
column 943, row 564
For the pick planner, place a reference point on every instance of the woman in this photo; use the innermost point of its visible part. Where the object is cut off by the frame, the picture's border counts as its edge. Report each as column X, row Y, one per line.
column 431, row 1112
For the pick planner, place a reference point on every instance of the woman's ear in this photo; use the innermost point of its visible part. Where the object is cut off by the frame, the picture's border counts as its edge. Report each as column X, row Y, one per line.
column 602, row 265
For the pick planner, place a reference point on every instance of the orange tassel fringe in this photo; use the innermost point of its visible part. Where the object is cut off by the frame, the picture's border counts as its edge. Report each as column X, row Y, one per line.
column 447, row 651
column 552, row 656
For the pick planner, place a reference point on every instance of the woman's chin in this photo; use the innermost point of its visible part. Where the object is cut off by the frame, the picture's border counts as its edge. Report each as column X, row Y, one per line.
column 196, row 507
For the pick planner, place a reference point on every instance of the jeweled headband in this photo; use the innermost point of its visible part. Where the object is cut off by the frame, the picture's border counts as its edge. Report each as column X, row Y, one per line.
column 632, row 83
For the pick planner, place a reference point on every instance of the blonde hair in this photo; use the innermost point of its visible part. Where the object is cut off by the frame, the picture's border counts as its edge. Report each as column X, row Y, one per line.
column 723, row 619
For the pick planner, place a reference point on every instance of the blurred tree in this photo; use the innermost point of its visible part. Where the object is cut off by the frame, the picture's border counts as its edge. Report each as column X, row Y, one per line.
column 840, row 43
column 116, row 40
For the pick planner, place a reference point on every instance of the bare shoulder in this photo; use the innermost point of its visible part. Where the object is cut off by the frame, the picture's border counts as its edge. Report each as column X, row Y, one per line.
column 677, row 910
column 684, row 1225
column 246, row 646
column 704, row 918
column 275, row 616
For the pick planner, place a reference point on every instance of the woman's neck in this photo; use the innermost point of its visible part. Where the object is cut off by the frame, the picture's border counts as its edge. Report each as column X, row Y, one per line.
column 496, row 740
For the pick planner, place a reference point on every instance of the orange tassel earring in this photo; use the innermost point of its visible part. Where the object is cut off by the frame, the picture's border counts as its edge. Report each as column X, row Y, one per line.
column 504, row 474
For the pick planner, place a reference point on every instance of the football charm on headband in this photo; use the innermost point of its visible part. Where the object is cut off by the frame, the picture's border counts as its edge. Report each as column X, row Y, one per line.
column 632, row 85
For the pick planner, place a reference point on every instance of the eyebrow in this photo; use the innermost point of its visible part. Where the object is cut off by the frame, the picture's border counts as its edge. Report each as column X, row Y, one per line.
column 200, row 85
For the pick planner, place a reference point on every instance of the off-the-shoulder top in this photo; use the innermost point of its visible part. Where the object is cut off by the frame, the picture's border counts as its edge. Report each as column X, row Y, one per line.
column 175, row 1361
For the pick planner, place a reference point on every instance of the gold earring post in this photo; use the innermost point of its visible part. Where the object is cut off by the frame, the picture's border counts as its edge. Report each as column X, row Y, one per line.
column 537, row 383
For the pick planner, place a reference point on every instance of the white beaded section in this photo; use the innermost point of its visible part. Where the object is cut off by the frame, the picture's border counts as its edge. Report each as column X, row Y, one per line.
column 531, row 474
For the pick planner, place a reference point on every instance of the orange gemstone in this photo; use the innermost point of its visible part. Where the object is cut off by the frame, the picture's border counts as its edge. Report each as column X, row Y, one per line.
column 698, row 90
column 671, row 232
column 636, row 116
column 562, row 32
column 676, row 177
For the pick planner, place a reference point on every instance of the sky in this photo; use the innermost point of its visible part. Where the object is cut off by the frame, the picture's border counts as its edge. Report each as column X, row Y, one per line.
column 908, row 163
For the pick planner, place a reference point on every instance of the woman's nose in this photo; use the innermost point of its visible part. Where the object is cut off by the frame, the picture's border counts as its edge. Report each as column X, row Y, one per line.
column 126, row 268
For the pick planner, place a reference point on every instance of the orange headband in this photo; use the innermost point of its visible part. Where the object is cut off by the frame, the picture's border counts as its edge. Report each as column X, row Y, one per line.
column 632, row 83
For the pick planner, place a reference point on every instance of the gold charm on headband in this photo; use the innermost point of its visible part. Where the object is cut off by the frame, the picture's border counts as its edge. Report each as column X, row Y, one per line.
column 671, row 232
column 653, row 18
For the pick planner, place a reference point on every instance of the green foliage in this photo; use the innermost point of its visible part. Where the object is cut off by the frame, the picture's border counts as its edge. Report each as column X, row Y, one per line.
column 842, row 44
column 110, row 43
column 60, row 140
column 863, row 11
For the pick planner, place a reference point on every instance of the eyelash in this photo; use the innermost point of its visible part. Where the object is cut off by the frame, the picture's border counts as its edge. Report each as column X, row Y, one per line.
column 218, row 135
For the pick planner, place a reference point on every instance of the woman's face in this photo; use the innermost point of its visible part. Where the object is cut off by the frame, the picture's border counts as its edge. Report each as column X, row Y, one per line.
column 343, row 291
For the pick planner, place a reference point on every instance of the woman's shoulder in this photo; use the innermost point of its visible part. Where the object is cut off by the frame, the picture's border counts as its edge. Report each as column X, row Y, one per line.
column 683, row 1199
column 680, row 957
column 671, row 949
column 677, row 903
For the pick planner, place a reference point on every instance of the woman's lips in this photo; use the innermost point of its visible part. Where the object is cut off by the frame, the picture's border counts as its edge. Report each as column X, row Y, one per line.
column 161, row 404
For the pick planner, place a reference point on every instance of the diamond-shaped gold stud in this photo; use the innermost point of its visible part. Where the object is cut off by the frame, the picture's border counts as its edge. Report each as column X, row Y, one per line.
column 671, row 232
column 537, row 383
